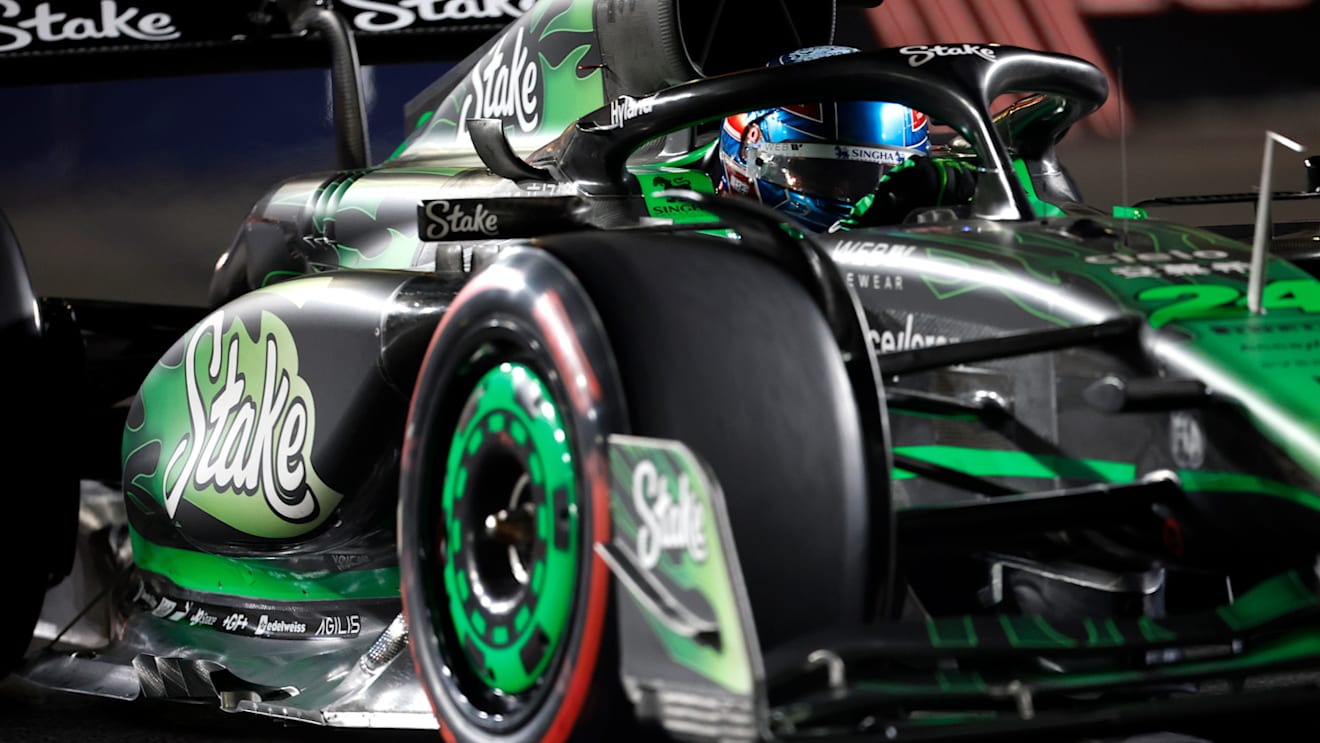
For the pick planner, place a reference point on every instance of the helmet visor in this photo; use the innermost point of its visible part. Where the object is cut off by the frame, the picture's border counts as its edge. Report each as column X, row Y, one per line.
column 843, row 172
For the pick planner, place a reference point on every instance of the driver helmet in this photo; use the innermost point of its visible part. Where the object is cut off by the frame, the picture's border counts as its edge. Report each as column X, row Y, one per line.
column 815, row 161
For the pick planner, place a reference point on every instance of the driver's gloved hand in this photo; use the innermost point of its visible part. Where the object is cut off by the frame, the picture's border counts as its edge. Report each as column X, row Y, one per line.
column 919, row 182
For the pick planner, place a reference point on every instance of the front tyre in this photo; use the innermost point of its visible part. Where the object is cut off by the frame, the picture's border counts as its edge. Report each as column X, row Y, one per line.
column 504, row 491
column 42, row 371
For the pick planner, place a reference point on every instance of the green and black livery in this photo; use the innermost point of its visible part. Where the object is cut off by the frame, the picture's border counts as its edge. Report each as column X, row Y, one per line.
column 599, row 448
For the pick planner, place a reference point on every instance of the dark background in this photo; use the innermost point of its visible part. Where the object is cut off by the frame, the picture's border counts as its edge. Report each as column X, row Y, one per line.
column 131, row 189
column 1193, row 91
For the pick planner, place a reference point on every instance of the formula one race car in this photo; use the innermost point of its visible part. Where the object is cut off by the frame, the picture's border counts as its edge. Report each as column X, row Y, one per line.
column 527, row 433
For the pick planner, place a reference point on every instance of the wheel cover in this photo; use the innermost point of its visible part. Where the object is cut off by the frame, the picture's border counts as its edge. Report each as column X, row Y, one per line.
column 510, row 561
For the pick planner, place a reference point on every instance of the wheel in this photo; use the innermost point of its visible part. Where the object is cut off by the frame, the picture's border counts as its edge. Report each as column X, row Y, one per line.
column 721, row 350
column 40, row 349
column 503, row 494
column 697, row 341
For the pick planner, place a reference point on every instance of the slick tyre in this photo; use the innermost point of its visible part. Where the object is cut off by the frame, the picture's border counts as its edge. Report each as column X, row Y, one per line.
column 42, row 368
column 503, row 493
column 720, row 349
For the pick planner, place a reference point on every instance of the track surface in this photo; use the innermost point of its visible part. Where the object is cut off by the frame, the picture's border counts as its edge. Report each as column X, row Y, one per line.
column 31, row 715
column 75, row 244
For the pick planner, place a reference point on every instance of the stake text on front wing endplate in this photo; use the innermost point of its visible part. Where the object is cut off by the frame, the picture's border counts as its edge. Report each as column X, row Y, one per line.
column 668, row 522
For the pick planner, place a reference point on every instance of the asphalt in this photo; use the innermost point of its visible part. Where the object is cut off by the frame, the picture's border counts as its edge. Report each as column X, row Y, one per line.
column 32, row 715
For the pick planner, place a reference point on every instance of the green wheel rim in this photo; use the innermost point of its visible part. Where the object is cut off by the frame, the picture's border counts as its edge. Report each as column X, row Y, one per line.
column 511, row 606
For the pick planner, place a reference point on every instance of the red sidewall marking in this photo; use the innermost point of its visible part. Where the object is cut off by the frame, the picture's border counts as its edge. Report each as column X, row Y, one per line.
column 567, row 355
column 493, row 278
column 584, row 665
column 567, row 352
column 445, row 732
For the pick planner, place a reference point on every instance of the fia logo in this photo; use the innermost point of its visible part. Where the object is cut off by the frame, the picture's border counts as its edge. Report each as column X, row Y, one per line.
column 1186, row 441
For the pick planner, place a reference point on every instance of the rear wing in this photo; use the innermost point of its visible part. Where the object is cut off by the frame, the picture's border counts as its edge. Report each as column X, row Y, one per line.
column 65, row 41
column 644, row 46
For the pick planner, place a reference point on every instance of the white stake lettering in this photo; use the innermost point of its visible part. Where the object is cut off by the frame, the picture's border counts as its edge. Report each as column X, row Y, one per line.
column 48, row 25
column 667, row 522
column 241, row 446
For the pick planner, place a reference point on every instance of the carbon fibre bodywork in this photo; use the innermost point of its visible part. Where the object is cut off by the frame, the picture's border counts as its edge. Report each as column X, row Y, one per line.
column 1077, row 470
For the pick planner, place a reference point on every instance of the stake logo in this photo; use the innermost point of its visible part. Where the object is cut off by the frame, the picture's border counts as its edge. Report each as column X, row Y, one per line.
column 541, row 73
column 444, row 218
column 670, row 520
column 919, row 55
column 506, row 86
column 376, row 16
column 249, row 423
column 47, row 25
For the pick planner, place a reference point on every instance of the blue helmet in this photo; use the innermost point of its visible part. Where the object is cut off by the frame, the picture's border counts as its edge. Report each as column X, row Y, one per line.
column 814, row 161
